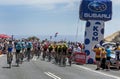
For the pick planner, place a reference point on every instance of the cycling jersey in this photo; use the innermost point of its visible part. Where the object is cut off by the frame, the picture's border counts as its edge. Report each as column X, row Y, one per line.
column 18, row 47
column 59, row 49
column 29, row 45
column 23, row 45
column 45, row 47
column 10, row 47
column 97, row 51
column 64, row 49
column 38, row 47
column 70, row 51
column 50, row 48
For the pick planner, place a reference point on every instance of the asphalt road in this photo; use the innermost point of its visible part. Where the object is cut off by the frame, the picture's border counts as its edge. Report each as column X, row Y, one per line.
column 38, row 69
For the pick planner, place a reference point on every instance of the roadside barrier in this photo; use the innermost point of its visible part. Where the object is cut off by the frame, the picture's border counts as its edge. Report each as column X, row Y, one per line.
column 79, row 58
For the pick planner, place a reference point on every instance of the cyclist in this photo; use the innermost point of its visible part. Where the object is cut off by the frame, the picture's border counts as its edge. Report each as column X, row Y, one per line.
column 39, row 49
column 18, row 49
column 45, row 47
column 22, row 54
column 59, row 53
column 64, row 54
column 50, row 48
column 9, row 53
column 70, row 51
column 29, row 47
column 56, row 53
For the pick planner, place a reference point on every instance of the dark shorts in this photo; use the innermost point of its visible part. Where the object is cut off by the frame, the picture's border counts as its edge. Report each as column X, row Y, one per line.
column 108, row 59
column 59, row 53
column 18, row 51
column 69, row 53
column 28, row 49
column 45, row 49
column 98, row 59
column 38, row 48
column 64, row 53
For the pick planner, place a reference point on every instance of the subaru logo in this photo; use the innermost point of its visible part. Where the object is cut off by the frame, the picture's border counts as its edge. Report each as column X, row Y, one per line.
column 97, row 6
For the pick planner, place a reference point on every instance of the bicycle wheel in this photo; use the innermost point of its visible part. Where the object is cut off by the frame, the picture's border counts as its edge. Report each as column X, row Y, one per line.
column 9, row 59
column 17, row 60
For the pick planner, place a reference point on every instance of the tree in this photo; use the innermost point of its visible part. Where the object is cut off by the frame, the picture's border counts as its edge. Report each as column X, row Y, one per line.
column 33, row 38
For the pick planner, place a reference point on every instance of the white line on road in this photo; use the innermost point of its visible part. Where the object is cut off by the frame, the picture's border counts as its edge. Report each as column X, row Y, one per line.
column 52, row 75
column 116, row 77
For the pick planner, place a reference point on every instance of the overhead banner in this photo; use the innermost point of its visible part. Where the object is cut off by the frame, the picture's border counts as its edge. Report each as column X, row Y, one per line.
column 96, row 10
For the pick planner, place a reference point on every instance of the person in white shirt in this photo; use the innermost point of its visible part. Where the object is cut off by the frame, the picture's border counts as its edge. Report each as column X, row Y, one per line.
column 77, row 49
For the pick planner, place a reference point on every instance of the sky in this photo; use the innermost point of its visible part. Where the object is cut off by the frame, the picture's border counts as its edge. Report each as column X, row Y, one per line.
column 46, row 17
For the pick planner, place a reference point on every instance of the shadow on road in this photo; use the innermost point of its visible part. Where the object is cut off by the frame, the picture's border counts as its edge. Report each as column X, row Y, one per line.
column 6, row 67
column 114, row 69
column 15, row 66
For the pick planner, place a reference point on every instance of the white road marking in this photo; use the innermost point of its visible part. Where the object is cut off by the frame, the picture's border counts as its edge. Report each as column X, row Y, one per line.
column 102, row 73
column 52, row 75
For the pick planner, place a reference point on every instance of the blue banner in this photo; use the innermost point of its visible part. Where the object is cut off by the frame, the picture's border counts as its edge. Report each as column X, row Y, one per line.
column 96, row 10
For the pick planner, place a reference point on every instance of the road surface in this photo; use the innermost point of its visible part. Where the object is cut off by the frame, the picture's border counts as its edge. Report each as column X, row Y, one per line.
column 38, row 69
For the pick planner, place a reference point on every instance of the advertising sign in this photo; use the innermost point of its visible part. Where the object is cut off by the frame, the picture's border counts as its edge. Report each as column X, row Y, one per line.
column 94, row 34
column 80, row 58
column 96, row 10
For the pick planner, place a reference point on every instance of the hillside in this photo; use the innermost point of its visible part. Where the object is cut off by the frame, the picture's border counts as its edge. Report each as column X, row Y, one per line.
column 114, row 37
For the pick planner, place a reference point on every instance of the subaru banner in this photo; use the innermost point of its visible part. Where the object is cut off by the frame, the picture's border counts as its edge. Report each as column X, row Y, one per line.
column 96, row 10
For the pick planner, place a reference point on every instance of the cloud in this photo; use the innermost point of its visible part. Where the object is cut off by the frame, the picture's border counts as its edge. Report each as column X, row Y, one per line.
column 41, row 2
column 47, row 4
column 33, row 2
column 116, row 2
column 70, row 6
